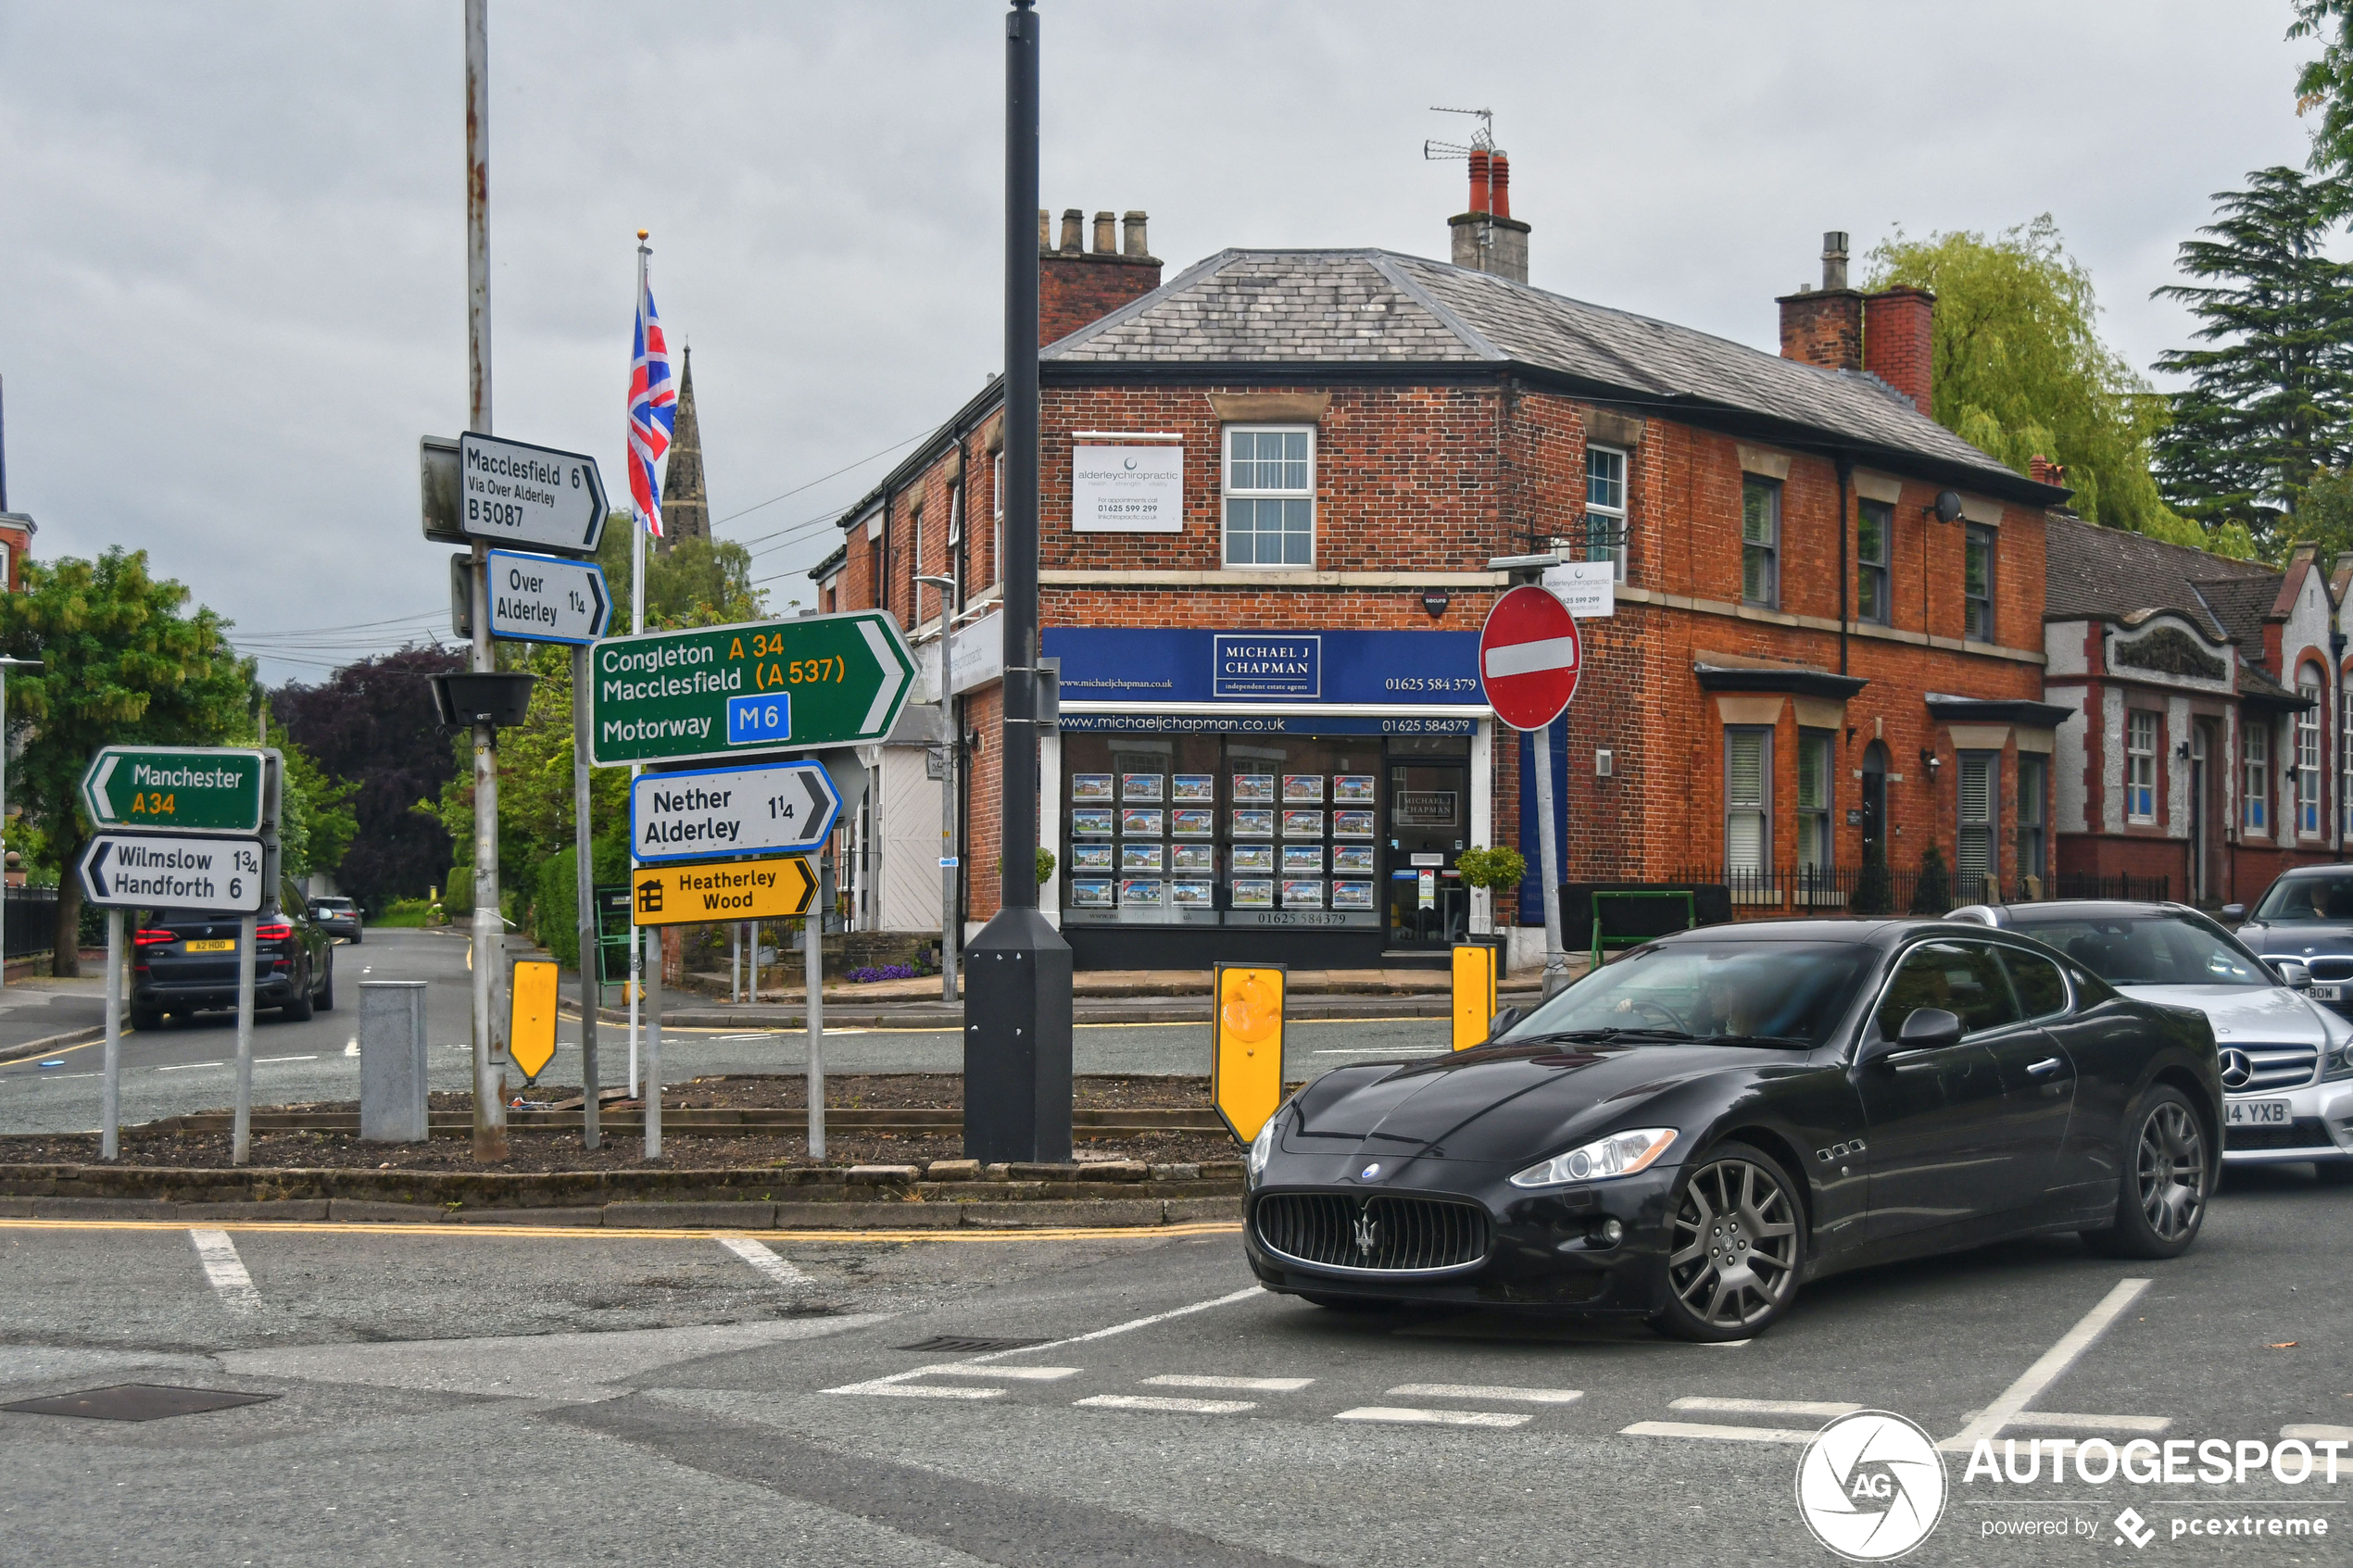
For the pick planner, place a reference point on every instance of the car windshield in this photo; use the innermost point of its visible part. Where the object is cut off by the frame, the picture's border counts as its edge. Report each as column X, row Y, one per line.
column 1790, row 991
column 2149, row 951
column 2308, row 898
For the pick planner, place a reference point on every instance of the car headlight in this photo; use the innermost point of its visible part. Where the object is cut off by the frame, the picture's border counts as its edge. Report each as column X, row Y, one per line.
column 1261, row 1148
column 1620, row 1154
column 2337, row 1061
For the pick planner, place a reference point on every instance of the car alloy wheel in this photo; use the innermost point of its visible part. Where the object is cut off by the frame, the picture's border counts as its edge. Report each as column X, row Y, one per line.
column 2169, row 1170
column 1732, row 1254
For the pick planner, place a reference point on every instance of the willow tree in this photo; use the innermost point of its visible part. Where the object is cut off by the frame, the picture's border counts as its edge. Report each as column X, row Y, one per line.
column 2021, row 372
column 123, row 660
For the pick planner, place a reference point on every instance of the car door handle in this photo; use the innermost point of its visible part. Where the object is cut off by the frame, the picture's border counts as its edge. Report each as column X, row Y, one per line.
column 2047, row 1065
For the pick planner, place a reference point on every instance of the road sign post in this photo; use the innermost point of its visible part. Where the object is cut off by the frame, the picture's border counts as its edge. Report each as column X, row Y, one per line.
column 725, row 690
column 772, row 808
column 110, row 1096
column 584, row 889
column 1529, row 658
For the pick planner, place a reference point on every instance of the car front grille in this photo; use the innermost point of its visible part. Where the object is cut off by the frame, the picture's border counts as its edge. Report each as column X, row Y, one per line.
column 2305, row 1132
column 2330, row 971
column 2275, row 1067
column 1384, row 1234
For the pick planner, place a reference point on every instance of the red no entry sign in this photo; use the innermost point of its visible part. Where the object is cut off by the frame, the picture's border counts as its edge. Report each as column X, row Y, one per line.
column 1528, row 657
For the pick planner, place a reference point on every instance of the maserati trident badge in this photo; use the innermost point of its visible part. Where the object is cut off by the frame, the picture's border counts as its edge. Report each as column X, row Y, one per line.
column 1367, row 1234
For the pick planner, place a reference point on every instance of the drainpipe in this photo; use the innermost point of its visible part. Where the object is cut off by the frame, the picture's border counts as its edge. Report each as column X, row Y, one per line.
column 1845, row 573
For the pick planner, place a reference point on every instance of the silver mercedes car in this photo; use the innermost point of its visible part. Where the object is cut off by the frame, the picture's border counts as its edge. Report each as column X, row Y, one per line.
column 2287, row 1062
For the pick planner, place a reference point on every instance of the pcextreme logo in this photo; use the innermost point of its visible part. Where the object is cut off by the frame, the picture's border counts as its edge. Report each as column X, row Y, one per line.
column 1870, row 1485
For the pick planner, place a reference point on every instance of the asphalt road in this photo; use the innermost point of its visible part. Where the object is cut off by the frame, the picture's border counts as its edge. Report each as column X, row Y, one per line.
column 190, row 1066
column 501, row 1398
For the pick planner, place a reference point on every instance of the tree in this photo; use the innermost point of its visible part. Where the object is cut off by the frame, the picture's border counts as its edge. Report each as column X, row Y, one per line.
column 695, row 582
column 2266, row 408
column 2326, row 84
column 2020, row 371
column 371, row 724
column 122, row 662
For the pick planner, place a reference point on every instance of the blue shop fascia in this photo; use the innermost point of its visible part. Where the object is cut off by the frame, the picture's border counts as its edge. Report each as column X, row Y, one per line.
column 1287, row 796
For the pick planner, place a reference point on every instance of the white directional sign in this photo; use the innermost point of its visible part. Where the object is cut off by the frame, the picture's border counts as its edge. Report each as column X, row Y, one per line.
column 533, row 497
column 541, row 599
column 729, row 813
column 146, row 871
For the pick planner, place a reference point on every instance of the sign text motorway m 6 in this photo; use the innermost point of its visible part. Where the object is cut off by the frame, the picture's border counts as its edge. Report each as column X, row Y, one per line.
column 725, row 690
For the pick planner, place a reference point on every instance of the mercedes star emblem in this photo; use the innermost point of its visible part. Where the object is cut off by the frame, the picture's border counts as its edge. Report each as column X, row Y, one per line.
column 2238, row 1070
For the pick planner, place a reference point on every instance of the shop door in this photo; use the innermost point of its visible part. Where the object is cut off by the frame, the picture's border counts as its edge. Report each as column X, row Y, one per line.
column 1429, row 825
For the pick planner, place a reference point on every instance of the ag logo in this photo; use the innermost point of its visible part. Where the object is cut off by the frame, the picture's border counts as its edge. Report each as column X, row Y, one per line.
column 1870, row 1485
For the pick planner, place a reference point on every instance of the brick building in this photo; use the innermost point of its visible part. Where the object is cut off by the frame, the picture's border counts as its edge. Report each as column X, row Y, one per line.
column 2209, row 690
column 1270, row 491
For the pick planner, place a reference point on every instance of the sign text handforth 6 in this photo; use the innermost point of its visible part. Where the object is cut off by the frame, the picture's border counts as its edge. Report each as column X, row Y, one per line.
column 725, row 690
column 140, row 871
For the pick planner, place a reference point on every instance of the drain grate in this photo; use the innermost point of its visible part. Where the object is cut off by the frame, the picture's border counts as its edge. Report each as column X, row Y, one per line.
column 967, row 1345
column 137, row 1401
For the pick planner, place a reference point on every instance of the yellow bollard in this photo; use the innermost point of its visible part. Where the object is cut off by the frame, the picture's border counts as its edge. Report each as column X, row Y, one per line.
column 1246, row 1055
column 1474, row 993
column 531, row 1029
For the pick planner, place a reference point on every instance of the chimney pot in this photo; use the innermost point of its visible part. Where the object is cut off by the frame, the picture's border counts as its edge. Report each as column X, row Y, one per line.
column 1480, row 182
column 1834, row 259
column 1134, row 223
column 1074, row 221
column 1104, row 243
column 1499, row 178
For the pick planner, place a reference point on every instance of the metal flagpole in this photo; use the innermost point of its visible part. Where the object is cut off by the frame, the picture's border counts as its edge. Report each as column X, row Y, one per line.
column 636, row 623
column 490, row 943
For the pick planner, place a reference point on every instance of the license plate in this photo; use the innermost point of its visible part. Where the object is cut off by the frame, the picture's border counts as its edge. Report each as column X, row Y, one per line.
column 2257, row 1113
column 225, row 945
column 2327, row 993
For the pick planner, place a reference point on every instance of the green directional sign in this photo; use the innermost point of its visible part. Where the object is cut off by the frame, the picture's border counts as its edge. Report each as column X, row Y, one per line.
column 728, row 690
column 187, row 788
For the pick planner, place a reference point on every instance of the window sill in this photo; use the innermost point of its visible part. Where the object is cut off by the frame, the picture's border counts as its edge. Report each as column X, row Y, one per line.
column 1269, row 577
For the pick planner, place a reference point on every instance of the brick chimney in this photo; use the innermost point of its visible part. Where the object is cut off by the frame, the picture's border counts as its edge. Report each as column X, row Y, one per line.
column 1488, row 238
column 2042, row 471
column 1899, row 342
column 1075, row 287
column 1824, row 326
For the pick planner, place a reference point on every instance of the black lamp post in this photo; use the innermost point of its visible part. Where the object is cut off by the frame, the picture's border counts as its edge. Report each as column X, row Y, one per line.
column 1018, row 970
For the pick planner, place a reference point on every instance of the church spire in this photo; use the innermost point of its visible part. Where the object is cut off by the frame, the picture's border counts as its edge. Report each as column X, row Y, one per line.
column 685, row 510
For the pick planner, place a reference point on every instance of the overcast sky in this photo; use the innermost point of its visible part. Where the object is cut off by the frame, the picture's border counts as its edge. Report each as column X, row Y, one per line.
column 234, row 252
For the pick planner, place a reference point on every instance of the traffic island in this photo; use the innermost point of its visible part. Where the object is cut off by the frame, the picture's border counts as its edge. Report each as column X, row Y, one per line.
column 1153, row 1154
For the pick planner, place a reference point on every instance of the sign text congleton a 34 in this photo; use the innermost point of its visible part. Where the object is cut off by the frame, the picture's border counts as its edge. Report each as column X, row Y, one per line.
column 725, row 691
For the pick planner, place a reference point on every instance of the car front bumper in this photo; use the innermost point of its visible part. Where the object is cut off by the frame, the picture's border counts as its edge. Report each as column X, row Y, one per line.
column 2320, row 1128
column 1543, row 1249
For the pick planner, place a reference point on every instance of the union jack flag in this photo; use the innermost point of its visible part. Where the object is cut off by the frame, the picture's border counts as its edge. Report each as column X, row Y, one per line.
column 653, row 408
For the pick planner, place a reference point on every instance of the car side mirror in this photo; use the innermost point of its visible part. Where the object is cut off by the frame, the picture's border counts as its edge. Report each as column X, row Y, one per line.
column 2292, row 975
column 1926, row 1029
column 1505, row 1020
column 2235, row 911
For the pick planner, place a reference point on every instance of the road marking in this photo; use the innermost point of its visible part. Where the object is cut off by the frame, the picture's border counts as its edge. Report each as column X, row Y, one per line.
column 882, row 1390
column 1376, row 1050
column 2062, row 1421
column 636, row 1233
column 1825, row 1408
column 1401, row 1416
column 757, row 1254
column 1486, row 1391
column 1247, row 1384
column 226, row 1269
column 954, row 1368
column 1026, row 1373
column 265, row 1061
column 351, row 1047
column 2317, row 1433
column 1150, row 1403
column 2049, row 1370
column 1726, row 1433
column 184, row 1066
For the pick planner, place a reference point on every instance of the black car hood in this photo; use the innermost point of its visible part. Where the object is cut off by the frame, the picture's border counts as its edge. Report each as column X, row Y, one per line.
column 1505, row 1103
column 2297, row 939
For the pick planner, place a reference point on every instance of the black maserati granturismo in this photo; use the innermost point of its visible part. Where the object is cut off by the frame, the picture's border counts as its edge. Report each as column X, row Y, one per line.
column 1692, row 1131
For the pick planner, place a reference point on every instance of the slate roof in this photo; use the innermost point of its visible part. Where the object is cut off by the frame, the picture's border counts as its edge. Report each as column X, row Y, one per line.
column 1378, row 308
column 2241, row 603
column 2090, row 573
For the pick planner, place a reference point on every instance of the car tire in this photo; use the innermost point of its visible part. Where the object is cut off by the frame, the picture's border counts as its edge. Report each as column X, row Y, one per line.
column 1350, row 1303
column 2166, row 1175
column 355, row 939
column 1733, row 1208
column 297, row 1008
column 327, row 991
column 146, row 1019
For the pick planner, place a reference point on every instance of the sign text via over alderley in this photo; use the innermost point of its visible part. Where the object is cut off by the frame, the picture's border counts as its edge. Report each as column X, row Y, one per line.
column 723, row 691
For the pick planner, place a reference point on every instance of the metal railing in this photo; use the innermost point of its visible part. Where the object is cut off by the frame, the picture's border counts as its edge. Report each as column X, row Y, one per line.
column 1891, row 890
column 31, row 920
